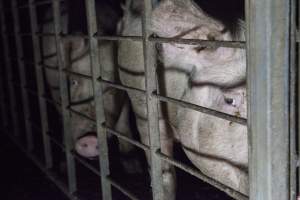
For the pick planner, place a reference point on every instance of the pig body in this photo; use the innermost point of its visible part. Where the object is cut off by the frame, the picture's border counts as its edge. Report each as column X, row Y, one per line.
column 77, row 57
column 209, row 77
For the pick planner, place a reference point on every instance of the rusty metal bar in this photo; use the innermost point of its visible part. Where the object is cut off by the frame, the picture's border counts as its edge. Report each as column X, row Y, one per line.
column 152, row 103
column 63, row 82
column 268, row 48
column 8, row 66
column 202, row 109
column 206, row 43
column 20, row 54
column 198, row 174
column 40, row 86
column 98, row 98
column 127, row 139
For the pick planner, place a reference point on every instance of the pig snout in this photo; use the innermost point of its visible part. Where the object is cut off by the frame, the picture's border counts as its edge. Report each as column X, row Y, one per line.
column 87, row 146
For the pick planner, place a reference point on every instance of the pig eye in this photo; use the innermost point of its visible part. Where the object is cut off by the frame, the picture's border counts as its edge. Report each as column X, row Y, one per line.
column 230, row 101
column 74, row 82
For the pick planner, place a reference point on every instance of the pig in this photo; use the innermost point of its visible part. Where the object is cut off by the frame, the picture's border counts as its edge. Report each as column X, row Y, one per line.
column 116, row 102
column 205, row 76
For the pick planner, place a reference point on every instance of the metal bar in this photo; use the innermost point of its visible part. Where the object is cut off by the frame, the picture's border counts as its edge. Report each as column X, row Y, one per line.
column 207, row 43
column 98, row 95
column 25, row 99
column 122, row 87
column 54, row 68
column 72, row 73
column 81, row 115
column 119, row 38
column 202, row 109
column 44, row 34
column 95, row 171
column 63, row 81
column 8, row 66
column 194, row 172
column 152, row 103
column 268, row 26
column 32, row 92
column 127, row 139
column 297, row 59
column 293, row 114
column 122, row 189
column 40, row 86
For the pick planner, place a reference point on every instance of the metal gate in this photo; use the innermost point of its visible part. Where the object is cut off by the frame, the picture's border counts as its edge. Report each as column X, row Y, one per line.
column 272, row 58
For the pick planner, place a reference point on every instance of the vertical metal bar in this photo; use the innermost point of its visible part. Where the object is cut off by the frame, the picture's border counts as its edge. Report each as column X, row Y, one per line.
column 268, row 95
column 63, row 82
column 98, row 94
column 40, row 84
column 152, row 103
column 298, row 92
column 9, row 72
column 25, row 99
column 293, row 115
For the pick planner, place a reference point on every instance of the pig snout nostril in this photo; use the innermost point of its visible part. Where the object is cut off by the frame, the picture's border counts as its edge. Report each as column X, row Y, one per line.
column 97, row 147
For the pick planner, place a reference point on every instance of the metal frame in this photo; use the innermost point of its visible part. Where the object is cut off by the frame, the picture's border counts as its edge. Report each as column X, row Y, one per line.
column 63, row 78
column 268, row 108
column 11, row 94
column 25, row 98
column 271, row 81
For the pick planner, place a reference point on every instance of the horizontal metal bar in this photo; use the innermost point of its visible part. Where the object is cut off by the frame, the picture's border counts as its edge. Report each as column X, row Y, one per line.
column 127, row 139
column 122, row 189
column 69, row 72
column 231, row 192
column 54, row 68
column 81, row 115
column 202, row 109
column 50, row 175
column 45, row 34
column 103, row 37
column 119, row 38
column 74, row 35
column 35, row 93
column 122, row 87
column 207, row 43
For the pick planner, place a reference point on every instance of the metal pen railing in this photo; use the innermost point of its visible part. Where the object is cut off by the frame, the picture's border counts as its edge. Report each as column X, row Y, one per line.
column 258, row 117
